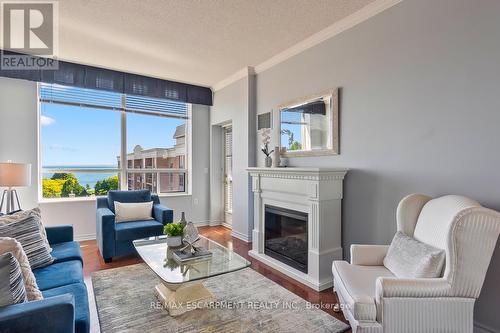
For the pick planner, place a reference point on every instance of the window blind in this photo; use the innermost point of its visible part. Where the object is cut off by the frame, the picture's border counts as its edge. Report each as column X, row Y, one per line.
column 83, row 76
column 92, row 98
column 228, row 169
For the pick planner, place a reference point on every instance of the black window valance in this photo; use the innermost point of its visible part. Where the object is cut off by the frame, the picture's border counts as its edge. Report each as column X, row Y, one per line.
column 83, row 76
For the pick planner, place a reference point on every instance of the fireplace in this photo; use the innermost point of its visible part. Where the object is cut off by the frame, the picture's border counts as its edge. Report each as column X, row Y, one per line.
column 286, row 236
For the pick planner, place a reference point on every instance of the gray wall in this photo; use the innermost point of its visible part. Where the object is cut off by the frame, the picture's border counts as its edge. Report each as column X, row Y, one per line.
column 420, row 112
column 236, row 104
column 19, row 143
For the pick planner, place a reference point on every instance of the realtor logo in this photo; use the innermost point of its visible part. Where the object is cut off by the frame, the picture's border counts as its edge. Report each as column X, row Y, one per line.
column 29, row 28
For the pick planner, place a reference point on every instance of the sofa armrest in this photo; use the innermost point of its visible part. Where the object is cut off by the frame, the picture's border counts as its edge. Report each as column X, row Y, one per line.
column 419, row 288
column 59, row 233
column 105, row 232
column 163, row 214
column 368, row 255
column 53, row 314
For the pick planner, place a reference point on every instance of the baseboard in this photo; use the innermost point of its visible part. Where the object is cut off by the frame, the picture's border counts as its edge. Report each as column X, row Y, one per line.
column 227, row 225
column 241, row 236
column 86, row 237
column 482, row 328
column 202, row 223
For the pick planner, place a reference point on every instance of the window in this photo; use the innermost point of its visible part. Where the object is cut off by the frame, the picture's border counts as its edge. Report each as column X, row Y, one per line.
column 83, row 133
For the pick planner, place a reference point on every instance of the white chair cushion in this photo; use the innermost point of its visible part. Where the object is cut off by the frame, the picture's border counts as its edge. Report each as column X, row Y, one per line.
column 356, row 286
column 133, row 211
column 437, row 215
column 409, row 258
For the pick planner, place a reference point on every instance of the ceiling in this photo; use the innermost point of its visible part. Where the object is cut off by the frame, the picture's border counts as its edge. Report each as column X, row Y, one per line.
column 194, row 41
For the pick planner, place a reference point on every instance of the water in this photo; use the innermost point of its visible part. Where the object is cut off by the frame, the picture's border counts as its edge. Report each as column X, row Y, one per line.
column 84, row 178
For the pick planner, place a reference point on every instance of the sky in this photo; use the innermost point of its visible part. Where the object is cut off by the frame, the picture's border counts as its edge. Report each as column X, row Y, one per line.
column 76, row 136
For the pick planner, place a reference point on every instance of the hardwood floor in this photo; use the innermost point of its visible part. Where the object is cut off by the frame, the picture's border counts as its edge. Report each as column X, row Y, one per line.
column 94, row 262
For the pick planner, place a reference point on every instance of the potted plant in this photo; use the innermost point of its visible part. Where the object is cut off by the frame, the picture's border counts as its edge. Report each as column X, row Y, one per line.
column 266, row 139
column 174, row 232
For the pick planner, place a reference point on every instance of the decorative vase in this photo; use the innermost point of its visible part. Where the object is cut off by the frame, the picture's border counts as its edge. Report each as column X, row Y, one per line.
column 174, row 241
column 269, row 161
column 183, row 221
column 276, row 159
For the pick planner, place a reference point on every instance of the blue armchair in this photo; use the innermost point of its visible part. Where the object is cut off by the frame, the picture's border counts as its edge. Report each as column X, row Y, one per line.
column 115, row 239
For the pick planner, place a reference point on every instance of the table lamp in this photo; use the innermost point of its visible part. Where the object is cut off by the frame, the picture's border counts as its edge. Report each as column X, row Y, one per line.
column 13, row 175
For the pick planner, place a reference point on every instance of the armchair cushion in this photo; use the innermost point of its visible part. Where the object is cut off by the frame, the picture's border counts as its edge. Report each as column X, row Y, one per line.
column 59, row 234
column 163, row 214
column 138, row 229
column 409, row 258
column 66, row 251
column 127, row 196
column 356, row 286
column 371, row 255
column 59, row 274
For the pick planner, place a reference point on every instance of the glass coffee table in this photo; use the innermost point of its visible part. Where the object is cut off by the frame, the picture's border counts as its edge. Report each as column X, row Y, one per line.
column 182, row 287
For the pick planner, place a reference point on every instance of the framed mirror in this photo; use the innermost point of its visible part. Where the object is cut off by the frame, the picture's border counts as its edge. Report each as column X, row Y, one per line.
column 309, row 125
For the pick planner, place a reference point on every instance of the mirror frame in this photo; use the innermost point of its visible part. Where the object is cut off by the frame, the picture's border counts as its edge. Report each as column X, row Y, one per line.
column 333, row 94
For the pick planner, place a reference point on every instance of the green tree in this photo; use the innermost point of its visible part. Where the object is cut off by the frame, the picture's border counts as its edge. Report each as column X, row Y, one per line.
column 102, row 187
column 295, row 146
column 63, row 176
column 52, row 188
column 72, row 186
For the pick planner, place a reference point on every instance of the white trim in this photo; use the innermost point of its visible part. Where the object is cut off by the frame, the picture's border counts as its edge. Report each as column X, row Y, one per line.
column 338, row 27
column 227, row 225
column 241, row 236
column 242, row 73
column 85, row 237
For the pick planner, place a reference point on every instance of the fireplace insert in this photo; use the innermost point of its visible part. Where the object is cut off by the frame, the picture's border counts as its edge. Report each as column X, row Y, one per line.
column 286, row 236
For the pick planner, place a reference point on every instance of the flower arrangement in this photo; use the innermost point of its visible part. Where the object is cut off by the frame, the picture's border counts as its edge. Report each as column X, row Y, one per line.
column 265, row 133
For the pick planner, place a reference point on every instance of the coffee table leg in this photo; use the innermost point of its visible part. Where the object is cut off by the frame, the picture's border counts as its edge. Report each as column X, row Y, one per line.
column 180, row 298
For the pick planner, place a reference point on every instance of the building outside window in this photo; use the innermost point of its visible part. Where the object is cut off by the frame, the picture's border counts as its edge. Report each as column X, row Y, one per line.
column 84, row 131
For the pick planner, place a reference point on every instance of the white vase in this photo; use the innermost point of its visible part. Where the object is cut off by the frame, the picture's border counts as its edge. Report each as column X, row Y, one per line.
column 173, row 241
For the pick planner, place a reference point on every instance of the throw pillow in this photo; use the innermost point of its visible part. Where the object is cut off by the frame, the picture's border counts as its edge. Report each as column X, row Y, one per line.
column 14, row 247
column 12, row 289
column 410, row 258
column 27, row 232
column 6, row 219
column 136, row 211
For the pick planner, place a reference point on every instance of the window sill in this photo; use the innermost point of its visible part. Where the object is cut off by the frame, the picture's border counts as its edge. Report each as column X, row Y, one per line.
column 83, row 199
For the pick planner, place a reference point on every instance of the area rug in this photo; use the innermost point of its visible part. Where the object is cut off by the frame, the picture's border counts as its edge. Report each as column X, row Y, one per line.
column 246, row 302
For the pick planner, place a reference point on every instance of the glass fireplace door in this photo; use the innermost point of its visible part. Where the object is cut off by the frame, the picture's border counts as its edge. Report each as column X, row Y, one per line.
column 286, row 236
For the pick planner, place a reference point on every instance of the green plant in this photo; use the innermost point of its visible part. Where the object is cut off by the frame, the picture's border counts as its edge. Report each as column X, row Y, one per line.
column 173, row 229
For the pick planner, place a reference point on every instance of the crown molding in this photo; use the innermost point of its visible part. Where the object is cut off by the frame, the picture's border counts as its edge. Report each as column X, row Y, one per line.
column 244, row 72
column 338, row 27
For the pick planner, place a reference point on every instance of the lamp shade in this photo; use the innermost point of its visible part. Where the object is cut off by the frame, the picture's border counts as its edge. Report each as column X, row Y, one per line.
column 15, row 174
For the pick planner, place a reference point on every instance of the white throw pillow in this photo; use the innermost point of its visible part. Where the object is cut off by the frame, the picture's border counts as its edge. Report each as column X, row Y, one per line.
column 11, row 245
column 133, row 211
column 410, row 258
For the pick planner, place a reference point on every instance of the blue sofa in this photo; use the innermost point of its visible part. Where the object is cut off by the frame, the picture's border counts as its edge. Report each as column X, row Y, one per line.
column 65, row 307
column 115, row 239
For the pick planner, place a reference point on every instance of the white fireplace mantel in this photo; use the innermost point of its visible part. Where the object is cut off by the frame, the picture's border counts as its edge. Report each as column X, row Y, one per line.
column 315, row 191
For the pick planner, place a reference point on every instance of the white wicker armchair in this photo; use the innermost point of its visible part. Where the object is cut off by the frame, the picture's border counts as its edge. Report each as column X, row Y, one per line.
column 374, row 300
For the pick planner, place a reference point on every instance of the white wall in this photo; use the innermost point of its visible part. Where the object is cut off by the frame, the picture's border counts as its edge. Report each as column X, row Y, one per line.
column 18, row 131
column 235, row 104
column 18, row 142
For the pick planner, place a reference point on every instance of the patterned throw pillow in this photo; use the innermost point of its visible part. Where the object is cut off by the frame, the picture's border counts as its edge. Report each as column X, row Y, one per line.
column 14, row 247
column 6, row 219
column 11, row 281
column 27, row 232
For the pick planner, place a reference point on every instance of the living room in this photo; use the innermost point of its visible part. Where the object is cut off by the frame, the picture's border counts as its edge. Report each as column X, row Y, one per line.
column 290, row 142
